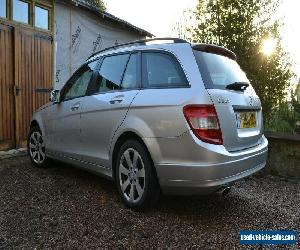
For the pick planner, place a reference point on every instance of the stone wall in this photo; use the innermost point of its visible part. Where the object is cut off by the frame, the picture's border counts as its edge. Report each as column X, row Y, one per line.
column 284, row 155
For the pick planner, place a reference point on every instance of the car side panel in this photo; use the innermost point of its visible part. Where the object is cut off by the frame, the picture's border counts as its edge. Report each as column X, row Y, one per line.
column 161, row 111
column 158, row 113
column 100, row 118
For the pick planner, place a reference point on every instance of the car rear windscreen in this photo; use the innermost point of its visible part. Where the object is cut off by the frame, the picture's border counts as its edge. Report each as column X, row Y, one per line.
column 218, row 71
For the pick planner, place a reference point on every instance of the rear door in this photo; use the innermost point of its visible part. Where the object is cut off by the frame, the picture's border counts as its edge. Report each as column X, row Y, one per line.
column 117, row 83
column 239, row 110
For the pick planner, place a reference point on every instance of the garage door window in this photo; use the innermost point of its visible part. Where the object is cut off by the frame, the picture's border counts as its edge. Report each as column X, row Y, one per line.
column 3, row 8
column 41, row 17
column 21, row 11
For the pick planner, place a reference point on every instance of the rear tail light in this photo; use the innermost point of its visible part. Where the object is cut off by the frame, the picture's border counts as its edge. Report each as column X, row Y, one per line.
column 203, row 120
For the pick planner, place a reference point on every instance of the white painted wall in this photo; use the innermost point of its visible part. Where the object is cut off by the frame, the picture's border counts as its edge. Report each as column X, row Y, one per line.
column 78, row 34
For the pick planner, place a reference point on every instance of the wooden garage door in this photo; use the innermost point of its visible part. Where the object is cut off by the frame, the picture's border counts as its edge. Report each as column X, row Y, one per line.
column 33, row 77
column 25, row 78
column 7, row 132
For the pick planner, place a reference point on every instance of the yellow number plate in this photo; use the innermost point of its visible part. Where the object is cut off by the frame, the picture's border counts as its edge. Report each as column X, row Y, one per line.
column 246, row 119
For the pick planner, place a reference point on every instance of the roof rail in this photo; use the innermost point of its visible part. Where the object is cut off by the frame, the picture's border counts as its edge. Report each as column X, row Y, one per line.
column 141, row 42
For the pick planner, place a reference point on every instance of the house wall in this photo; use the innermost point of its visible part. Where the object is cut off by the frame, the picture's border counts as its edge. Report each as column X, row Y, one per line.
column 77, row 34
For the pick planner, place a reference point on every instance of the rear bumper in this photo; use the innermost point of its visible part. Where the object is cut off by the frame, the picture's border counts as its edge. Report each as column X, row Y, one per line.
column 204, row 179
column 200, row 170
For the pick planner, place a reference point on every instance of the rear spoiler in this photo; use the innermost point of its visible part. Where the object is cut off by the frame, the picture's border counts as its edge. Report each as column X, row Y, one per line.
column 210, row 48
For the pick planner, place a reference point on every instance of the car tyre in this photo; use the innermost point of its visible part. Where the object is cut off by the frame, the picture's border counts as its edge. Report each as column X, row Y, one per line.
column 36, row 148
column 136, row 176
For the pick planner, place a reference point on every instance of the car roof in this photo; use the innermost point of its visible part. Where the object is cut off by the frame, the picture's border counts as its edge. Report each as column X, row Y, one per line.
column 161, row 43
column 140, row 44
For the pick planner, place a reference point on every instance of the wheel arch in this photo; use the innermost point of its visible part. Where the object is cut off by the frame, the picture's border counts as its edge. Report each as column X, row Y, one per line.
column 37, row 121
column 125, row 136
column 34, row 123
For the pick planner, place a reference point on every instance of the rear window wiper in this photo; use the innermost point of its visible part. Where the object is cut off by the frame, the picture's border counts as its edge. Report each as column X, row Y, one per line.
column 241, row 86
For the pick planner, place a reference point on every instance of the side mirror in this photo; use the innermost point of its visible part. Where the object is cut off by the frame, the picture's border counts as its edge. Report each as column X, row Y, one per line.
column 54, row 96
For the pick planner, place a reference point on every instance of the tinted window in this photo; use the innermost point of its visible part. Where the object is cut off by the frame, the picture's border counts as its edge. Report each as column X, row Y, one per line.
column 78, row 84
column 162, row 70
column 110, row 74
column 218, row 71
column 41, row 17
column 2, row 8
column 130, row 76
column 21, row 11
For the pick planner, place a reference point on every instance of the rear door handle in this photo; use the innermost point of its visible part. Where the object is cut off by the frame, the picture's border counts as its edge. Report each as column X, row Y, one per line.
column 75, row 107
column 116, row 99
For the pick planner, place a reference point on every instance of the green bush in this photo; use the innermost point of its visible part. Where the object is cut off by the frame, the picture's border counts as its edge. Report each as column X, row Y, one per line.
column 284, row 117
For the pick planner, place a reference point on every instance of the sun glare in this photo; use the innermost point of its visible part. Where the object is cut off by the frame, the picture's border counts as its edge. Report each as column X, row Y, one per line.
column 268, row 46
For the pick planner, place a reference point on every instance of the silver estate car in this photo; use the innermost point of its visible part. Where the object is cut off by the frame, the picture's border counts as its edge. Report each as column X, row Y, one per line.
column 156, row 116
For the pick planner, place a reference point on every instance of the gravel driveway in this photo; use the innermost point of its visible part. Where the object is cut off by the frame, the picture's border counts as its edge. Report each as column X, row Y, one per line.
column 64, row 207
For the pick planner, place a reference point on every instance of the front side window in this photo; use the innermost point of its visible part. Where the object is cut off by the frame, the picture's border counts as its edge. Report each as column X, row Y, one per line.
column 130, row 75
column 3, row 8
column 162, row 71
column 78, row 84
column 110, row 74
column 41, row 17
column 21, row 11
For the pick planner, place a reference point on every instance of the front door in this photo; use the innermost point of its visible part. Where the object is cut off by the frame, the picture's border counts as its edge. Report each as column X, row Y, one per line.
column 63, row 120
column 63, row 127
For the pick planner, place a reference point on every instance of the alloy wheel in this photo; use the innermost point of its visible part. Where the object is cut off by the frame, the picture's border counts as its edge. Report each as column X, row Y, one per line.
column 37, row 147
column 132, row 175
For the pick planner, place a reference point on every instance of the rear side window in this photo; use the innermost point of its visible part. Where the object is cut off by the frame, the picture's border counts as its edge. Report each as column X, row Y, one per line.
column 110, row 74
column 162, row 70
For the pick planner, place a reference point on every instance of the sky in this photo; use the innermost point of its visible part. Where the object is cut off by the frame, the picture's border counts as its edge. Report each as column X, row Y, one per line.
column 290, row 13
column 160, row 16
column 155, row 16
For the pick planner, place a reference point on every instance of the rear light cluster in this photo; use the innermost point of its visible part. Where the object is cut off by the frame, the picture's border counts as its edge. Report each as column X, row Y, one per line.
column 203, row 120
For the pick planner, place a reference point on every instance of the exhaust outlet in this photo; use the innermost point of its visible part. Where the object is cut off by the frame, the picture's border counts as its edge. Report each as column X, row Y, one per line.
column 224, row 190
